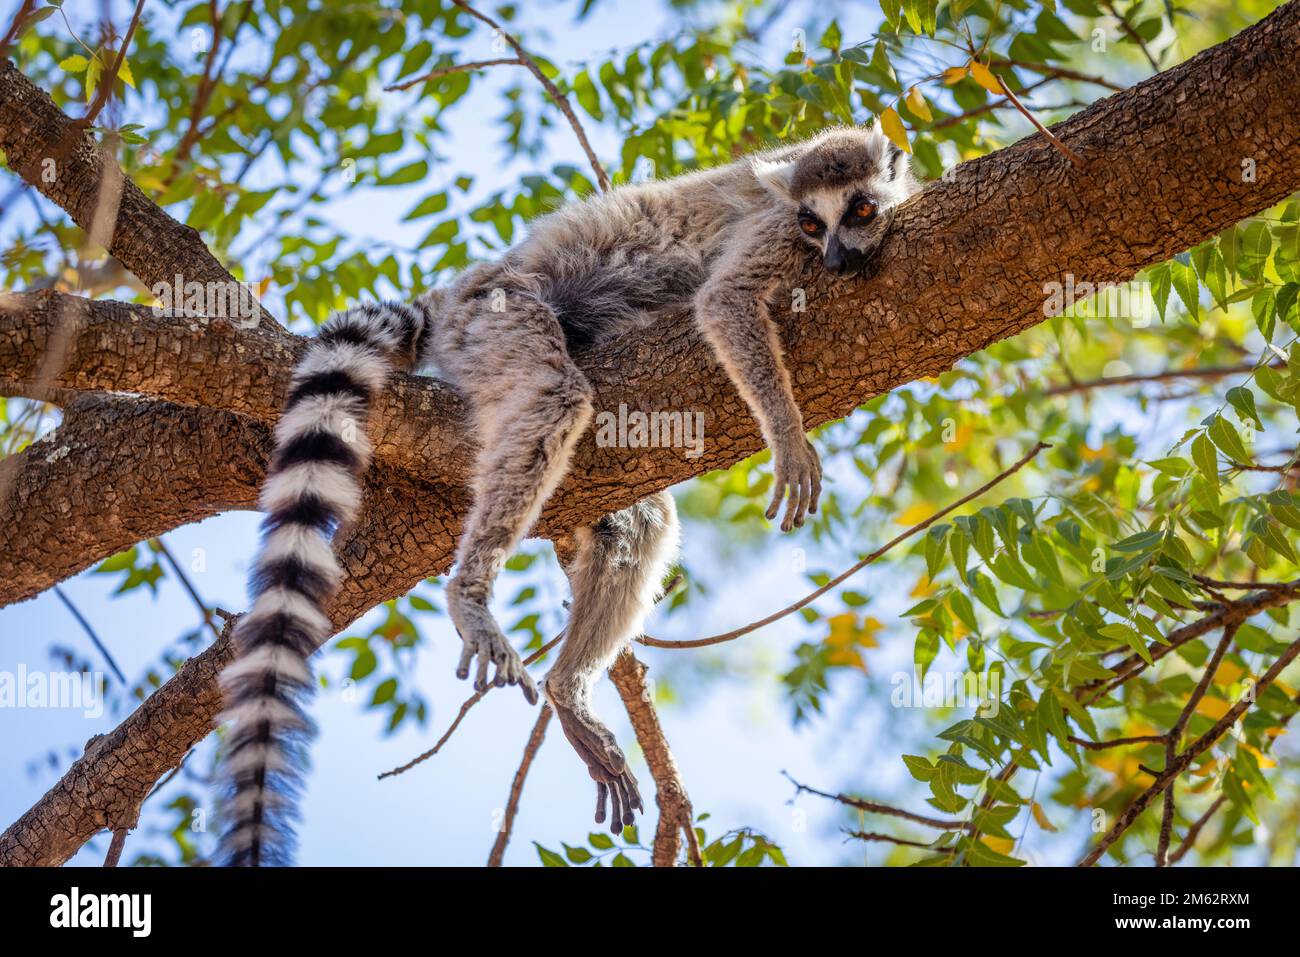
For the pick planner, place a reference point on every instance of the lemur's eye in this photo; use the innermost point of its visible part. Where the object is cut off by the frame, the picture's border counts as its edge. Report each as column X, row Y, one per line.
column 864, row 210
column 811, row 225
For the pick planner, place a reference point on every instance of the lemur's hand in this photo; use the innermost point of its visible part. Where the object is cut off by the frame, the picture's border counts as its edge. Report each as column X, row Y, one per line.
column 483, row 640
column 606, row 764
column 798, row 481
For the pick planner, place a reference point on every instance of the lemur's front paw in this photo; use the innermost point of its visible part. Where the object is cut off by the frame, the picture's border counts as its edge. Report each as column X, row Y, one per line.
column 798, row 481
column 483, row 639
column 606, row 764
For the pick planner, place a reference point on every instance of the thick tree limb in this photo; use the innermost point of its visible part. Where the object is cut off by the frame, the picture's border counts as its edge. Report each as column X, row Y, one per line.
column 965, row 266
column 116, row 471
column 51, row 151
column 676, row 818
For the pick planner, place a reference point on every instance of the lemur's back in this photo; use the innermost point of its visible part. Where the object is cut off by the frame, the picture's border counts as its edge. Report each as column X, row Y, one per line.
column 616, row 261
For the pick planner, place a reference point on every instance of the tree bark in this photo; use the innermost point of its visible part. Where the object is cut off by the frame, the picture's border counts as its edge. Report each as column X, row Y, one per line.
column 965, row 266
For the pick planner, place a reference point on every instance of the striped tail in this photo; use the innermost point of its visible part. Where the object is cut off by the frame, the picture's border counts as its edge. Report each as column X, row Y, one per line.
column 312, row 486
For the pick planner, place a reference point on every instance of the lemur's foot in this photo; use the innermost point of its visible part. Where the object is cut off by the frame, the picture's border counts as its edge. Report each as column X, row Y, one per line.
column 798, row 481
column 484, row 640
column 606, row 764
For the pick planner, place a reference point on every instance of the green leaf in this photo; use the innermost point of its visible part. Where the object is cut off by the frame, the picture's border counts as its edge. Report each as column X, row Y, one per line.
column 1206, row 459
column 1243, row 401
column 549, row 858
column 925, row 650
column 1223, row 435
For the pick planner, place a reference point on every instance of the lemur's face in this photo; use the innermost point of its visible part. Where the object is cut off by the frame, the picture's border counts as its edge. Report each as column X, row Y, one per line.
column 844, row 224
column 843, row 189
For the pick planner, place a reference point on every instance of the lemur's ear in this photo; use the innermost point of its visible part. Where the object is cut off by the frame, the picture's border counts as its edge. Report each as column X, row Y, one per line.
column 895, row 160
column 775, row 176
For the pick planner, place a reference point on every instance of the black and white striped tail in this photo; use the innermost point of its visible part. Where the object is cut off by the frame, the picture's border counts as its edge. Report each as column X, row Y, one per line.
column 312, row 486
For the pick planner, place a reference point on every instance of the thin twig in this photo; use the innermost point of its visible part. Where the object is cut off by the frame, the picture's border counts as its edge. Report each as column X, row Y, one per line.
column 552, row 90
column 1208, row 372
column 889, row 838
column 472, row 700
column 115, row 848
column 517, row 786
column 1051, row 137
column 94, row 638
column 873, row 807
column 1176, row 733
column 110, row 78
column 843, row 576
column 1117, row 742
column 202, row 606
column 453, row 68
column 1132, row 34
column 1194, row 831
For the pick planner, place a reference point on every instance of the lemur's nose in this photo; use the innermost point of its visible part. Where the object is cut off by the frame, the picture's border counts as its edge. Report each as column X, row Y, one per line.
column 834, row 259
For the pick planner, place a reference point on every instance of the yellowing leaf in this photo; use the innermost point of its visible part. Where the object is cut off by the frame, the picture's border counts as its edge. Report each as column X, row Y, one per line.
column 1091, row 455
column 914, row 514
column 916, row 103
column 985, row 78
column 124, row 74
column 1264, row 760
column 1214, row 708
column 892, row 124
column 1003, row 845
column 1228, row 672
column 74, row 64
column 263, row 286
column 93, row 70
column 844, row 628
column 923, row 587
column 954, row 75
column 846, row 658
column 1041, row 817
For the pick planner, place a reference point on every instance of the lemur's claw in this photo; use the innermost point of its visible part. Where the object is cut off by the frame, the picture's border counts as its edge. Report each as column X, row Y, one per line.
column 797, row 482
column 605, row 763
column 484, row 641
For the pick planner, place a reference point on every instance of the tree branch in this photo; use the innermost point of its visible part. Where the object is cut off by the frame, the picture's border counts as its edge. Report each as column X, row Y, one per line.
column 47, row 149
column 517, row 786
column 676, row 817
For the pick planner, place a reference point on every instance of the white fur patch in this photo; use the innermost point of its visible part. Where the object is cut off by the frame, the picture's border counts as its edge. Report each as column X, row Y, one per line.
column 304, row 544
column 360, row 362
column 270, row 659
column 333, row 483
column 282, row 600
column 254, row 712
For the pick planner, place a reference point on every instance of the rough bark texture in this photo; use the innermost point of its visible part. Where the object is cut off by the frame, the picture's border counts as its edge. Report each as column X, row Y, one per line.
column 676, row 818
column 965, row 266
column 45, row 147
column 118, row 470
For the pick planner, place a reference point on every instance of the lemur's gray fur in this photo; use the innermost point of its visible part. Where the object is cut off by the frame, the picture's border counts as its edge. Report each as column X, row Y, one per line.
column 504, row 334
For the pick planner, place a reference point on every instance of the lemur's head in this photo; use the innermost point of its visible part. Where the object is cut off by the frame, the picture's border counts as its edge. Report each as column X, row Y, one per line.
column 843, row 187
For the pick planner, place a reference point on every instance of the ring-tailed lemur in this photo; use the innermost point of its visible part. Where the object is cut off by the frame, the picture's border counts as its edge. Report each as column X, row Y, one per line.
column 504, row 334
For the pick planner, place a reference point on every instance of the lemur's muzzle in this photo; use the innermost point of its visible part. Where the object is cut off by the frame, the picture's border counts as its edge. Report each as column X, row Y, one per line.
column 840, row 259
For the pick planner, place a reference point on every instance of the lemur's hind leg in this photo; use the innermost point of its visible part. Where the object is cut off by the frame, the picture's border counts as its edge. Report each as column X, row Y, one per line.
column 530, row 404
column 616, row 576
